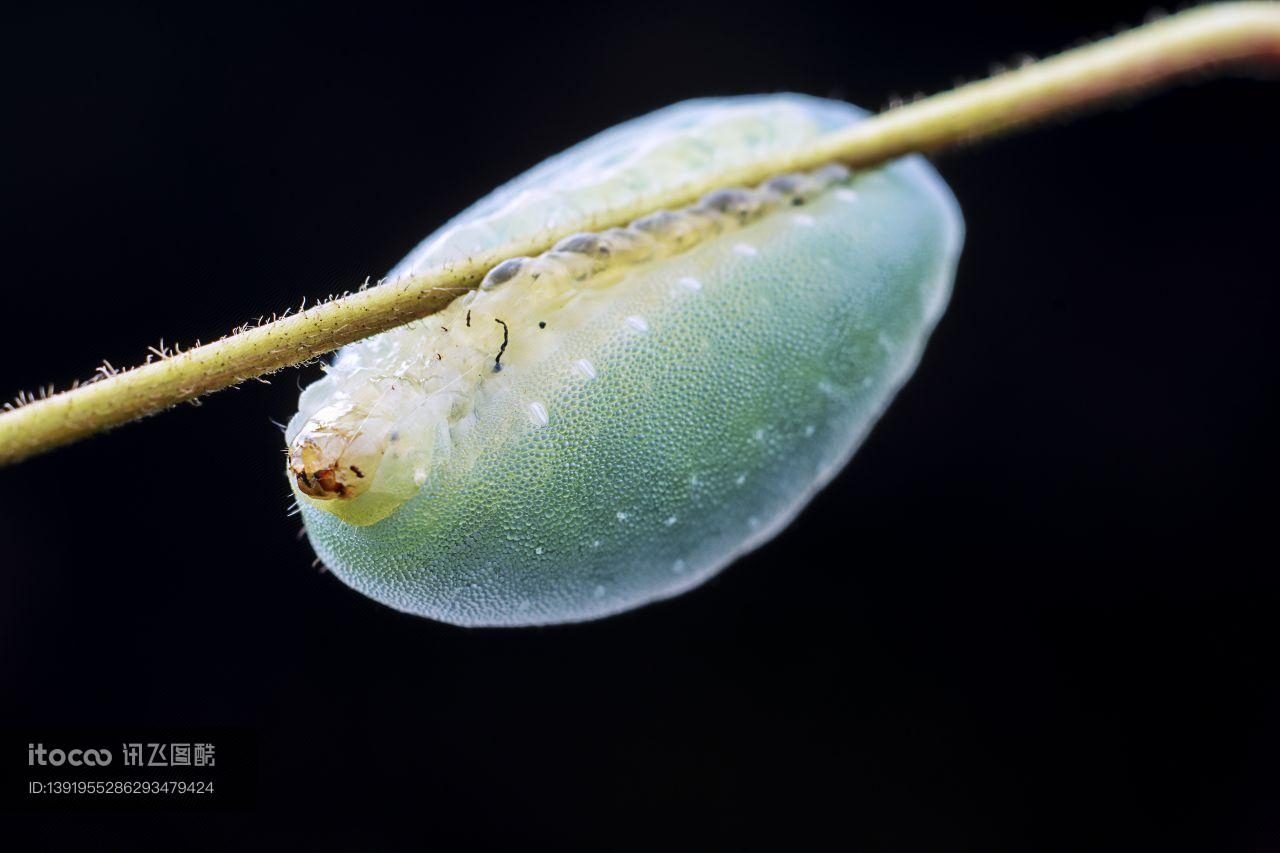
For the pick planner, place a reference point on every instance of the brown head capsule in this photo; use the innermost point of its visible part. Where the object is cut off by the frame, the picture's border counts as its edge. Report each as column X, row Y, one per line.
column 335, row 456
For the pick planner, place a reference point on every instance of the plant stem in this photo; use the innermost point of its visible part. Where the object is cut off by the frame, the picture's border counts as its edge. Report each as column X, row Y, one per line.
column 1205, row 39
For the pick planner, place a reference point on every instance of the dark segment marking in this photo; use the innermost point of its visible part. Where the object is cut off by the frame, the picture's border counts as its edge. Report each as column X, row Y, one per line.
column 505, row 271
column 784, row 184
column 657, row 224
column 736, row 203
column 506, row 333
column 583, row 244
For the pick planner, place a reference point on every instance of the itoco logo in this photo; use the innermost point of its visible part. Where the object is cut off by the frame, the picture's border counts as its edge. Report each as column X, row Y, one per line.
column 37, row 754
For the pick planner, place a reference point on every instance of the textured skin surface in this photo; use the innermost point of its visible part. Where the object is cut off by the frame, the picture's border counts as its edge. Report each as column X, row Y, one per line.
column 730, row 383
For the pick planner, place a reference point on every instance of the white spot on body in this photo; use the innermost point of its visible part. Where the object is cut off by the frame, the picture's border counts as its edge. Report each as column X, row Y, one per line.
column 586, row 368
column 886, row 342
column 670, row 520
column 677, row 566
column 690, row 284
column 538, row 414
column 599, row 591
column 419, row 476
column 622, row 516
column 740, row 479
column 847, row 195
column 638, row 323
column 537, row 550
column 804, row 220
column 746, row 249
column 809, row 431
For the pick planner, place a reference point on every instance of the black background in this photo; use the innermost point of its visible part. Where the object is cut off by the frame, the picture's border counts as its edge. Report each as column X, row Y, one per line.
column 1037, row 612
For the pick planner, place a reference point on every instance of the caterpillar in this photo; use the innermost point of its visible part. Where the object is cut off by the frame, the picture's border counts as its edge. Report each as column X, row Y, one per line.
column 614, row 421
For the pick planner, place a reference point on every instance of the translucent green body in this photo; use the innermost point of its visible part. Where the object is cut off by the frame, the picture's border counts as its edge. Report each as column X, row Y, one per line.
column 684, row 414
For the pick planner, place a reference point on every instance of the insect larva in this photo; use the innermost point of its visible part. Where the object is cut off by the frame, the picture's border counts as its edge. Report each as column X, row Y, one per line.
column 671, row 393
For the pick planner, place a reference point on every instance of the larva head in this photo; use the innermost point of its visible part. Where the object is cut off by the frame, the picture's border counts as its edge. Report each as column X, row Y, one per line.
column 671, row 394
column 335, row 457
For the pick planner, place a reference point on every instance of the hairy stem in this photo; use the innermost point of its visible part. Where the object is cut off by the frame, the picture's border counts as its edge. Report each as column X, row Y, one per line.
column 1206, row 39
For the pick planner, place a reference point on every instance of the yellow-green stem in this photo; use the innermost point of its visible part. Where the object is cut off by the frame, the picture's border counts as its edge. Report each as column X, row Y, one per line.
column 1208, row 38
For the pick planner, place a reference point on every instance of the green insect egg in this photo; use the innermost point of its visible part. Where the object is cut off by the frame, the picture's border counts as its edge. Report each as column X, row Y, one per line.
column 616, row 420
